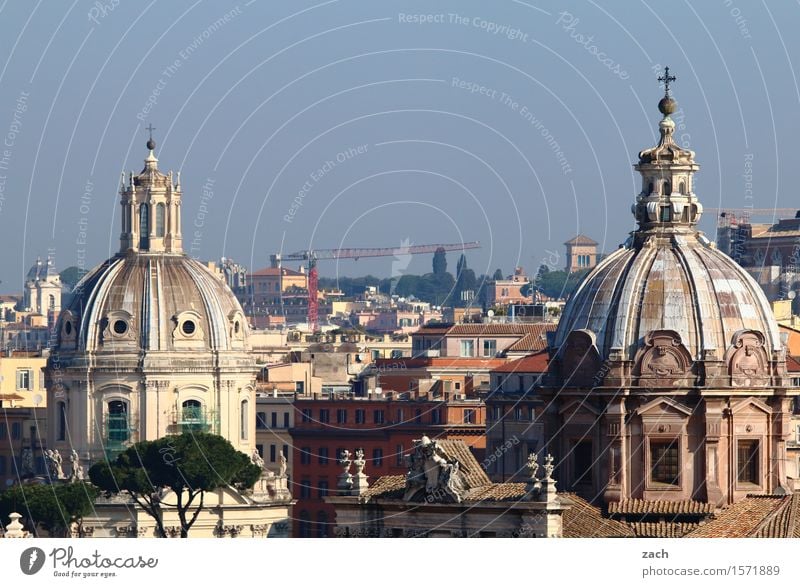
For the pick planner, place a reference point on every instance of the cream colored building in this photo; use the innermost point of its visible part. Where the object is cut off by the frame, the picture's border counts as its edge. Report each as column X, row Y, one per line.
column 22, row 381
column 42, row 294
column 227, row 513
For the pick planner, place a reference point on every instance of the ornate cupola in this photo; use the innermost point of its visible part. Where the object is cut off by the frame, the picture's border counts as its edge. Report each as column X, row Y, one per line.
column 151, row 209
column 668, row 363
column 667, row 203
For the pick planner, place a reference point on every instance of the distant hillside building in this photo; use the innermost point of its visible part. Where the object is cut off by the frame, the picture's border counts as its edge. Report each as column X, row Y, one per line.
column 581, row 253
column 42, row 293
column 509, row 290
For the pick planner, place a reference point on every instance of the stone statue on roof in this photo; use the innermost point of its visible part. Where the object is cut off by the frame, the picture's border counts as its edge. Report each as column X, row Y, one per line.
column 77, row 473
column 256, row 459
column 281, row 464
column 433, row 475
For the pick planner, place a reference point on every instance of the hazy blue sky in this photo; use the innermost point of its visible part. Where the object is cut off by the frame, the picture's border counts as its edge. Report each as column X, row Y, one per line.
column 255, row 105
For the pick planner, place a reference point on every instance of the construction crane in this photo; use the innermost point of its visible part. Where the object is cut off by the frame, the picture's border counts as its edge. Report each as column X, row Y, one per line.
column 312, row 256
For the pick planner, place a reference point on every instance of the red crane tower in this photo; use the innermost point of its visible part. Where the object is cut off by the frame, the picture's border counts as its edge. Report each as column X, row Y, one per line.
column 312, row 256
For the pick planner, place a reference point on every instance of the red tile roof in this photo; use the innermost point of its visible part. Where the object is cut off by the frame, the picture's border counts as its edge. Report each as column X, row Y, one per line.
column 581, row 239
column 535, row 363
column 583, row 520
column 534, row 341
column 509, row 329
column 661, row 506
column 662, row 529
column 756, row 516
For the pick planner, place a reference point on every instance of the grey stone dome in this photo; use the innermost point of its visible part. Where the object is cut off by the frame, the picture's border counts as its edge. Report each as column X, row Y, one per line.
column 153, row 302
column 668, row 309
column 678, row 284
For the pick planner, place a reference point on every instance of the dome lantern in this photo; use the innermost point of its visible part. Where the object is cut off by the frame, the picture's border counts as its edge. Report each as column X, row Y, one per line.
column 667, row 202
column 151, row 209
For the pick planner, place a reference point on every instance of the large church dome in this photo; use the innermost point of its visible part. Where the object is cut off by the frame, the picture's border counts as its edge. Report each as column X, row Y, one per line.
column 153, row 342
column 151, row 296
column 153, row 303
column 667, row 301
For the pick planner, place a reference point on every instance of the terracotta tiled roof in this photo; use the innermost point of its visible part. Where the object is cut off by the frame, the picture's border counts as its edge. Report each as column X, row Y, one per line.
column 662, row 529
column 497, row 492
column 520, row 328
column 756, row 516
column 387, row 486
column 392, row 486
column 581, row 239
column 474, row 475
column 536, row 363
column 533, row 341
column 583, row 520
column 434, row 329
column 661, row 506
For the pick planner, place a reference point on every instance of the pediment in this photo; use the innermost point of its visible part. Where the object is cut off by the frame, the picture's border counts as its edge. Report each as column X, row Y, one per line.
column 662, row 406
column 751, row 403
column 577, row 405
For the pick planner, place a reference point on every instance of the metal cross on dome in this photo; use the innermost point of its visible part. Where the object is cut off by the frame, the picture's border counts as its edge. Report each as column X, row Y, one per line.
column 151, row 128
column 667, row 78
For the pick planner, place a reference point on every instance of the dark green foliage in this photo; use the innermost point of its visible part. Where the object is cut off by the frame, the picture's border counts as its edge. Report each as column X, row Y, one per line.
column 49, row 507
column 71, row 276
column 439, row 262
column 354, row 286
column 558, row 284
column 433, row 288
column 498, row 275
column 188, row 464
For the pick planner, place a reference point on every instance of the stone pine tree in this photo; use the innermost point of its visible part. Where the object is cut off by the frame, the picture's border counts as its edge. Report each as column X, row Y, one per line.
column 189, row 465
column 498, row 275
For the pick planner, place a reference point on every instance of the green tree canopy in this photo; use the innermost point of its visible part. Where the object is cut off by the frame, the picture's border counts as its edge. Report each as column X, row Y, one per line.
column 49, row 507
column 498, row 274
column 187, row 464
column 71, row 276
column 558, row 284
column 439, row 262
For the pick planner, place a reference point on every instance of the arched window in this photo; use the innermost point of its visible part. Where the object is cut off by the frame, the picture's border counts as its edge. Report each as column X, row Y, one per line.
column 650, row 188
column 160, row 220
column 667, row 188
column 61, row 433
column 192, row 417
column 144, row 227
column 683, row 187
column 117, row 424
column 51, row 302
column 245, row 419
